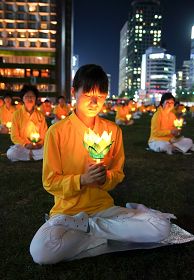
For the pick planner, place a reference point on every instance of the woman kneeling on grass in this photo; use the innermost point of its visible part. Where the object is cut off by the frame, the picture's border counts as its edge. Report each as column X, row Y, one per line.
column 28, row 129
column 84, row 215
column 165, row 137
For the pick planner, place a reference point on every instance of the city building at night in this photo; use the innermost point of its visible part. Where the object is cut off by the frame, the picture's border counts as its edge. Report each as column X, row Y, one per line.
column 142, row 30
column 186, row 74
column 179, row 80
column 27, row 45
column 191, row 79
column 157, row 73
column 123, row 59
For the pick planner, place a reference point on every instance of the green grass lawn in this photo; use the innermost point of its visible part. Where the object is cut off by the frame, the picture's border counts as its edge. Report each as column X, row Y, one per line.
column 157, row 180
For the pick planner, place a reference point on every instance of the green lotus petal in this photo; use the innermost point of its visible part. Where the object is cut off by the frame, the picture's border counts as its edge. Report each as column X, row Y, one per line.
column 85, row 145
column 106, row 150
column 94, row 154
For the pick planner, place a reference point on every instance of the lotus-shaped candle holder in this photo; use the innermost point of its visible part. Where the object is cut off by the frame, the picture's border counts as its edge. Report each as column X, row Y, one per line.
column 34, row 137
column 9, row 125
column 128, row 117
column 178, row 123
column 96, row 145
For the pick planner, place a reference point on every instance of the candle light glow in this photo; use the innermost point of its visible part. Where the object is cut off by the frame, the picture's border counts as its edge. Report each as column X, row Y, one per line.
column 34, row 137
column 178, row 123
column 9, row 125
column 97, row 146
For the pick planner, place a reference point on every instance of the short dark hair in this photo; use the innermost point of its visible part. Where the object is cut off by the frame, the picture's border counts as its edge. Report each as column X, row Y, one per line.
column 90, row 76
column 59, row 97
column 27, row 88
column 7, row 94
column 166, row 96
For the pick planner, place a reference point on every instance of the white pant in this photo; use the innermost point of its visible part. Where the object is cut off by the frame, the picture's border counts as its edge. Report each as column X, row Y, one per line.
column 19, row 153
column 53, row 243
column 183, row 145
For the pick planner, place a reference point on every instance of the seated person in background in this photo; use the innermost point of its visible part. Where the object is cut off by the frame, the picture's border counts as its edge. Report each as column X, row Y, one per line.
column 28, row 128
column 84, row 215
column 164, row 135
column 123, row 115
column 46, row 109
column 18, row 103
column 1, row 102
column 61, row 110
column 6, row 114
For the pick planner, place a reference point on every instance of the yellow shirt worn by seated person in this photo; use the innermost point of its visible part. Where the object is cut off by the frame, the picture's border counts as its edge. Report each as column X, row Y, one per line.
column 6, row 115
column 24, row 123
column 121, row 113
column 65, row 159
column 161, row 125
column 61, row 111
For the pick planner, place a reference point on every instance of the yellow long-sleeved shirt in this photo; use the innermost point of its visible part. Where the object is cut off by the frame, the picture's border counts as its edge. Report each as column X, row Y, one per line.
column 6, row 115
column 24, row 123
column 65, row 159
column 121, row 113
column 61, row 111
column 161, row 125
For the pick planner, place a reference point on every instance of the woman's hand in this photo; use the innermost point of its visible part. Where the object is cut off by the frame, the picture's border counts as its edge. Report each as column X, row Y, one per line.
column 95, row 174
column 33, row 146
column 175, row 132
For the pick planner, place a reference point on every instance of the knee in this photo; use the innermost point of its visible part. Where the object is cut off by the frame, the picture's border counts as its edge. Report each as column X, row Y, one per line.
column 41, row 254
column 37, row 252
column 160, row 230
column 11, row 155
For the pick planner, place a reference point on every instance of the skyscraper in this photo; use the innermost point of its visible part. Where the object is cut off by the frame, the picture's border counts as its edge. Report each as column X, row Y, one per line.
column 29, row 33
column 143, row 31
column 157, row 73
column 27, row 44
column 191, row 78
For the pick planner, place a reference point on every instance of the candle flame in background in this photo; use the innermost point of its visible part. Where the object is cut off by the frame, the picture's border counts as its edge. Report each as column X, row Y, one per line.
column 34, row 137
column 178, row 123
column 97, row 146
column 62, row 117
column 9, row 125
column 128, row 117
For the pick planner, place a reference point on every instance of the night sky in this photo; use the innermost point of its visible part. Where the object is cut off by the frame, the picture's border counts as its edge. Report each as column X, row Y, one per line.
column 97, row 26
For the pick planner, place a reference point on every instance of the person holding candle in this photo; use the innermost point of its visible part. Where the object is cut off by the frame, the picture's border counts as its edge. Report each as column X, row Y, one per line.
column 46, row 108
column 84, row 214
column 28, row 128
column 6, row 114
column 123, row 115
column 61, row 110
column 165, row 136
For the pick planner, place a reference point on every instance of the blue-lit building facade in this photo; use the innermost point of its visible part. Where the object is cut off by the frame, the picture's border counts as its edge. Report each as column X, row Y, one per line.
column 142, row 30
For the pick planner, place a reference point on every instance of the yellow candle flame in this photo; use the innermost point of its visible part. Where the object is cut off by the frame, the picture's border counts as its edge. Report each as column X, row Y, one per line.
column 9, row 125
column 178, row 123
column 128, row 117
column 62, row 117
column 34, row 137
column 92, row 138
